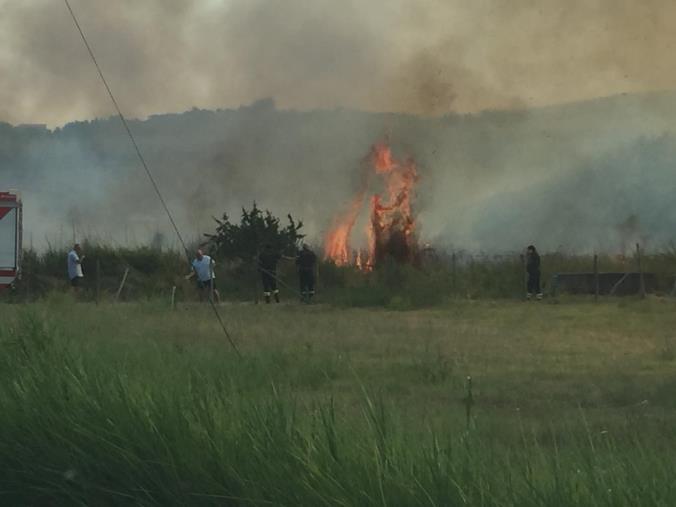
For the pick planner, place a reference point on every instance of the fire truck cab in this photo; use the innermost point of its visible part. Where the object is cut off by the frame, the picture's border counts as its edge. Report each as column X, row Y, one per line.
column 10, row 238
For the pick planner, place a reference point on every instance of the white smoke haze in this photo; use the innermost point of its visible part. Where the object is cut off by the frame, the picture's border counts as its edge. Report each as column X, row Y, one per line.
column 489, row 180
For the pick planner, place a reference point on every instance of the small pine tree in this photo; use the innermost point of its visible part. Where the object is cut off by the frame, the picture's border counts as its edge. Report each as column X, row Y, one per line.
column 256, row 228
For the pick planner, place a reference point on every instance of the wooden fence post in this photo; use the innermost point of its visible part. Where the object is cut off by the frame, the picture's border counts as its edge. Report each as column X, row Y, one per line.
column 255, row 280
column 124, row 279
column 316, row 279
column 596, row 278
column 98, row 280
column 454, row 283
column 211, row 280
column 173, row 297
column 27, row 277
column 640, row 271
column 524, row 276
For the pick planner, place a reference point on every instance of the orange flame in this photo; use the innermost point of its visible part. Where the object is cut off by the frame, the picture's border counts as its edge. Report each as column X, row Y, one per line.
column 382, row 158
column 392, row 225
column 392, row 222
column 337, row 241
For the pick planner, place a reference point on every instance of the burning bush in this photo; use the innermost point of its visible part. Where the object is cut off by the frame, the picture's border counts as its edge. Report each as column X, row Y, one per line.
column 391, row 228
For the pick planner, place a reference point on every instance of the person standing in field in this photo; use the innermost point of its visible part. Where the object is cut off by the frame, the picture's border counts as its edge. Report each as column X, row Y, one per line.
column 267, row 267
column 75, row 274
column 203, row 269
column 533, row 272
column 306, row 262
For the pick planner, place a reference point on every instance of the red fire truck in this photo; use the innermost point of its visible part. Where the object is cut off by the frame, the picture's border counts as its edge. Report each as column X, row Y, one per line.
column 10, row 238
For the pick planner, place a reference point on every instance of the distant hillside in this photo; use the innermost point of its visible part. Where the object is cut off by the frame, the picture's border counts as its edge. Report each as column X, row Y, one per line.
column 483, row 176
column 605, row 204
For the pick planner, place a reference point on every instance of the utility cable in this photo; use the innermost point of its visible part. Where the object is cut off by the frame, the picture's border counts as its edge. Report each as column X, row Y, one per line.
column 145, row 165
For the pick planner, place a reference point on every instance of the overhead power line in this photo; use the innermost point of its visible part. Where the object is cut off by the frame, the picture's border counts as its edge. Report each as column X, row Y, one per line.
column 144, row 165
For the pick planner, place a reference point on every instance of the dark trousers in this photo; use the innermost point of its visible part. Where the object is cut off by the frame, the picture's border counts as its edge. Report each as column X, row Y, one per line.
column 534, row 282
column 307, row 283
column 269, row 282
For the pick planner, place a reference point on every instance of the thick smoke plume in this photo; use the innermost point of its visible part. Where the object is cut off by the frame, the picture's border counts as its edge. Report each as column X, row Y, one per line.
column 493, row 179
column 558, row 177
column 414, row 56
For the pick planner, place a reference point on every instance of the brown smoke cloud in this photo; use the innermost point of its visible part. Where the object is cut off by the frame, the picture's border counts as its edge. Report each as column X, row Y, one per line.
column 419, row 56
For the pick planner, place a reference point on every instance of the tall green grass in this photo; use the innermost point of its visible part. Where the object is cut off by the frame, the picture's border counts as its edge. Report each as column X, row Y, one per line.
column 95, row 413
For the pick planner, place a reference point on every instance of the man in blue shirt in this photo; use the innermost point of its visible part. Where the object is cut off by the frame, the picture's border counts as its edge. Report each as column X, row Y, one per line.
column 203, row 269
column 75, row 259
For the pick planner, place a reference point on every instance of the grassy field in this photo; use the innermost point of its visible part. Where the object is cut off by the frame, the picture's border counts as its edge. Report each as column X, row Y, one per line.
column 572, row 403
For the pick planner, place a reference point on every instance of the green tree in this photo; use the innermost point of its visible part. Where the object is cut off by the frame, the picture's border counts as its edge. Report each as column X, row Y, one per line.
column 256, row 229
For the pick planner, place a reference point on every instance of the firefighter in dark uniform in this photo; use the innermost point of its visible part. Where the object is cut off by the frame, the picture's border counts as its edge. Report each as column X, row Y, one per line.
column 533, row 271
column 306, row 263
column 267, row 267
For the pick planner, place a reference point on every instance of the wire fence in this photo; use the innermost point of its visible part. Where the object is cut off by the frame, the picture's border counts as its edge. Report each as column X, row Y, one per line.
column 159, row 273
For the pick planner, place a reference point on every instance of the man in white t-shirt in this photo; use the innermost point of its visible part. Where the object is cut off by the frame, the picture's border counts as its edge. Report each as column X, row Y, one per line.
column 203, row 269
column 75, row 259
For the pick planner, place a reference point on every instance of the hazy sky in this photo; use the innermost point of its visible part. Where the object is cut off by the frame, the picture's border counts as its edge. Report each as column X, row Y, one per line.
column 421, row 56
